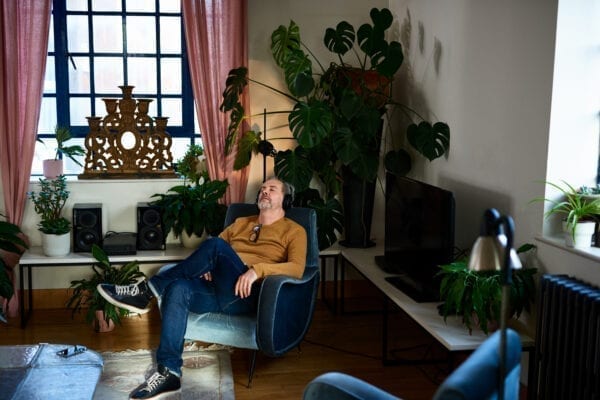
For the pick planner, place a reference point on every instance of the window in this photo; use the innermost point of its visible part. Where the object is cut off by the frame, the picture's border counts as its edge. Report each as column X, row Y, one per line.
column 97, row 45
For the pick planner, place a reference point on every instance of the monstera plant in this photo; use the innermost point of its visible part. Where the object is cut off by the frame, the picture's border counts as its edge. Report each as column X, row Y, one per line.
column 337, row 114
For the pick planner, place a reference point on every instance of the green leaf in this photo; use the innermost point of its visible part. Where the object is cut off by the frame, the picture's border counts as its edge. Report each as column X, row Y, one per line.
column 284, row 40
column 430, row 141
column 236, row 82
column 310, row 122
column 398, row 162
column 294, row 167
column 341, row 39
column 298, row 73
column 246, row 147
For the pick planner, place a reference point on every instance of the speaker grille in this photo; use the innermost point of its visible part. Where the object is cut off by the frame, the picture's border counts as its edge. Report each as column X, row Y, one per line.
column 87, row 226
column 150, row 234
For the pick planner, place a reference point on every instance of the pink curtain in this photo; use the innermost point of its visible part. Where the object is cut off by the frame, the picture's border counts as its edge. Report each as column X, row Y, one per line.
column 24, row 26
column 216, row 37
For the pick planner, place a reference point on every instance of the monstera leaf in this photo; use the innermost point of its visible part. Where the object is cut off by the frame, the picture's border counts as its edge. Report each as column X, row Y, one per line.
column 311, row 122
column 431, row 141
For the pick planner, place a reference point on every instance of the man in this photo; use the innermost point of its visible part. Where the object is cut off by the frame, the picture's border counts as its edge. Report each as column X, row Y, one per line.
column 219, row 276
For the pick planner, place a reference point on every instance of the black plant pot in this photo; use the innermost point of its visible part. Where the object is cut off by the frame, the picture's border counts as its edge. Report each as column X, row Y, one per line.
column 359, row 198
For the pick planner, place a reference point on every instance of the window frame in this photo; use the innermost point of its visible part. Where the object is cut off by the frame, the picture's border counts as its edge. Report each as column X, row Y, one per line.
column 63, row 61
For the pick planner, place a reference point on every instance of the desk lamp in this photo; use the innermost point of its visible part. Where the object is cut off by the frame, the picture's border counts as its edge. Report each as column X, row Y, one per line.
column 493, row 251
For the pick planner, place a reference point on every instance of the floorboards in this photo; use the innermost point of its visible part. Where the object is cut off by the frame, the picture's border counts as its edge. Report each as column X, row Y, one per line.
column 350, row 343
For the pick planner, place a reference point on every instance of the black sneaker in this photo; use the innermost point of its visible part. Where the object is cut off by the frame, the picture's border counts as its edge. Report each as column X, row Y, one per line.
column 162, row 383
column 134, row 298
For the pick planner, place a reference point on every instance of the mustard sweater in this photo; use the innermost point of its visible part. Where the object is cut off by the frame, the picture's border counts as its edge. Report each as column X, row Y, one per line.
column 279, row 250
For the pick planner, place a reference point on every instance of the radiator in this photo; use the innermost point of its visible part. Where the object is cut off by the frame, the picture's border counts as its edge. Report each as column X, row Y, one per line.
column 567, row 354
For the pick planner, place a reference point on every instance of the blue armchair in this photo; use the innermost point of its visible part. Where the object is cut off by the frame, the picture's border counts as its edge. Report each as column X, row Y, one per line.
column 475, row 379
column 285, row 305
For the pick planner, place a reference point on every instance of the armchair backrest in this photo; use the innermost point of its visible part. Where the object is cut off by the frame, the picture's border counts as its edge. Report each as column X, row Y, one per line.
column 307, row 217
column 477, row 376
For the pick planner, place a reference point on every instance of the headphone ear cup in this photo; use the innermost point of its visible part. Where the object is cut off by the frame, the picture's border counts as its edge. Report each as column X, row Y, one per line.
column 287, row 201
column 257, row 196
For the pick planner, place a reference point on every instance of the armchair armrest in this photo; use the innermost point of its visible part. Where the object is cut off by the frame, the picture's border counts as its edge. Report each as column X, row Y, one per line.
column 284, row 315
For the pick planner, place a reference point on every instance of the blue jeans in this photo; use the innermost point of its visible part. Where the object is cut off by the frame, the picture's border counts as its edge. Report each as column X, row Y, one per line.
column 181, row 289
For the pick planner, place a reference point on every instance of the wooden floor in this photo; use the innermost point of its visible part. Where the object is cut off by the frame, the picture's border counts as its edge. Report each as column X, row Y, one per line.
column 350, row 343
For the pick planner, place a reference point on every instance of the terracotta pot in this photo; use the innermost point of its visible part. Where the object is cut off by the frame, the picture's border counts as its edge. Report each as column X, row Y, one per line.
column 368, row 84
column 52, row 168
column 100, row 324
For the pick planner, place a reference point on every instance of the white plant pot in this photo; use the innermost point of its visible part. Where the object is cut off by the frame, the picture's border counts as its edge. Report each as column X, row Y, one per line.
column 193, row 241
column 56, row 245
column 584, row 231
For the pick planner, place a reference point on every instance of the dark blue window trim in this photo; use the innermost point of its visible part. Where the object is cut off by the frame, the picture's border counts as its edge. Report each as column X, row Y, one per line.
column 62, row 60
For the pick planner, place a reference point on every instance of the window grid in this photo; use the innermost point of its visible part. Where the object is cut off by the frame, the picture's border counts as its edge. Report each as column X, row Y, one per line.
column 64, row 60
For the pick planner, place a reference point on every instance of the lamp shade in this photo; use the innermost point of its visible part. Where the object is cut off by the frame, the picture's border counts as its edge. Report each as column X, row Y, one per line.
column 488, row 254
column 490, row 248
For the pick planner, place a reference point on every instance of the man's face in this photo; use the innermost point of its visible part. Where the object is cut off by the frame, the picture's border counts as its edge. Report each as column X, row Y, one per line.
column 271, row 195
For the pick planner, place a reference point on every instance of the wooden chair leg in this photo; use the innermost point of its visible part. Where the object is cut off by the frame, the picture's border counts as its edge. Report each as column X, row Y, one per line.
column 252, row 365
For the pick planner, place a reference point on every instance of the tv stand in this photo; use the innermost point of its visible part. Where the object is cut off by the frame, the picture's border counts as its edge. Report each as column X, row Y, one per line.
column 415, row 290
column 451, row 334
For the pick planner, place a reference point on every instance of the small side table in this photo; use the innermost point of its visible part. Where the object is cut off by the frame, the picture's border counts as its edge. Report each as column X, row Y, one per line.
column 37, row 372
column 334, row 252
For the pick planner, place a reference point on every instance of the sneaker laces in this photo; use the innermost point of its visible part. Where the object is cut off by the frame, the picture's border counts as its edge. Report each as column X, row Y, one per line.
column 154, row 381
column 127, row 290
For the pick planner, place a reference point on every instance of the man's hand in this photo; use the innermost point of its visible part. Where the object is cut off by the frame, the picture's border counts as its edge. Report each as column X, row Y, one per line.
column 243, row 286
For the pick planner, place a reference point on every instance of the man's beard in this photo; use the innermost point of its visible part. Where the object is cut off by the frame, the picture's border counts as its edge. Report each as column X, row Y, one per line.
column 264, row 204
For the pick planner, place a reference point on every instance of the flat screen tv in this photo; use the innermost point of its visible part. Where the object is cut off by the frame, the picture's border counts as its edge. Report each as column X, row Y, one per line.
column 419, row 235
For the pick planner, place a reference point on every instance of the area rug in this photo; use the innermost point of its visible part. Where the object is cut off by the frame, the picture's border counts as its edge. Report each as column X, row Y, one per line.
column 206, row 374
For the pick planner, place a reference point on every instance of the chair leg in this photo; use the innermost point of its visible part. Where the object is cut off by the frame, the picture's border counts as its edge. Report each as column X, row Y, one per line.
column 252, row 365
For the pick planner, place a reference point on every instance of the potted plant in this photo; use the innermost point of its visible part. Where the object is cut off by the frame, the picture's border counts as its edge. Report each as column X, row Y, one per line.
column 336, row 118
column 49, row 203
column 10, row 242
column 54, row 167
column 192, row 210
column 580, row 214
column 476, row 296
column 85, row 294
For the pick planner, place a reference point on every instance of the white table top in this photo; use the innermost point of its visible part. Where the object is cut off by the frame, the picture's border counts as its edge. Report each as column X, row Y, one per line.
column 452, row 333
column 174, row 252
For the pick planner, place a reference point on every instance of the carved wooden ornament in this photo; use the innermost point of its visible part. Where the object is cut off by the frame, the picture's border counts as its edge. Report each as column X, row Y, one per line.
column 127, row 143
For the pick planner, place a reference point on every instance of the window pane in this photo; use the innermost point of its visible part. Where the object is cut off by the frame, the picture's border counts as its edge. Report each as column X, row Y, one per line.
column 170, row 76
column 76, row 5
column 106, row 5
column 170, row 35
column 77, row 33
column 79, row 79
column 101, row 106
column 141, row 35
column 108, row 74
column 179, row 146
column 47, row 115
column 50, row 77
column 172, row 108
column 139, row 6
column 170, row 6
column 141, row 73
column 108, row 34
column 80, row 108
column 70, row 167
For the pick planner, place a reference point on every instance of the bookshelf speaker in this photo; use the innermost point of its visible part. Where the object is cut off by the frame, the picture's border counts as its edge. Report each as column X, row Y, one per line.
column 150, row 235
column 87, row 226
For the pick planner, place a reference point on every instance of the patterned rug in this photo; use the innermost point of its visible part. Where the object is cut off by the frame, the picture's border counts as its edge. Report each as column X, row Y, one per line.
column 206, row 374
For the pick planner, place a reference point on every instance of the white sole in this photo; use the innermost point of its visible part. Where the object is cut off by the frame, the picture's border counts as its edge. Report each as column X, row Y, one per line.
column 162, row 395
column 116, row 303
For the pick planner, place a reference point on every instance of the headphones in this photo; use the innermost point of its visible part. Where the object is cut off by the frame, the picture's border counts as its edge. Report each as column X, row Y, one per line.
column 288, row 194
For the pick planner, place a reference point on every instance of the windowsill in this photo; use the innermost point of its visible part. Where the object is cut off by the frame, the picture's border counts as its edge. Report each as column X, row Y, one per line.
column 592, row 253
